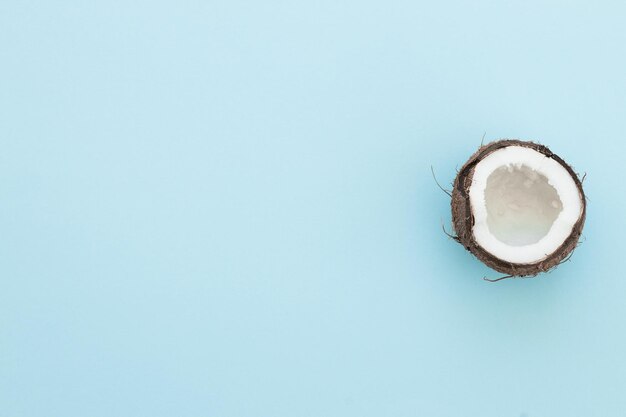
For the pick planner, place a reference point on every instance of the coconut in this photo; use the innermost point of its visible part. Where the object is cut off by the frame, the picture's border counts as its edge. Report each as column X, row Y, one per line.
column 518, row 207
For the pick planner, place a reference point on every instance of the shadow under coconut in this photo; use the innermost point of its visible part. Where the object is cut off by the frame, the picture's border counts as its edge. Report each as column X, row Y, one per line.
column 527, row 306
column 464, row 278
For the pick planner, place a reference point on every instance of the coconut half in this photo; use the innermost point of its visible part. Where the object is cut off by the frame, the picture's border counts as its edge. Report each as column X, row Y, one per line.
column 518, row 207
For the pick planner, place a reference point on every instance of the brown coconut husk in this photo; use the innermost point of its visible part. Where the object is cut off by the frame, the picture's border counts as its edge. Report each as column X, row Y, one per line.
column 463, row 220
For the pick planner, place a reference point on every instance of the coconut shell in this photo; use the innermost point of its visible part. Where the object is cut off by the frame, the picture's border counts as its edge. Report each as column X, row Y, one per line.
column 463, row 220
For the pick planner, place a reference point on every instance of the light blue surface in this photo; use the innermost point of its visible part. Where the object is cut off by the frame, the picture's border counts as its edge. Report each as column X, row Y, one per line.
column 226, row 209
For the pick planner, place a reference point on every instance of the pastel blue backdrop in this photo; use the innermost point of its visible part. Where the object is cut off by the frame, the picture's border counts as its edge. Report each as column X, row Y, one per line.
column 225, row 208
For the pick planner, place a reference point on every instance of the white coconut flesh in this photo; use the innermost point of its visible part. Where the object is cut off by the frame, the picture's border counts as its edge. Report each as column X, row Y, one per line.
column 525, row 204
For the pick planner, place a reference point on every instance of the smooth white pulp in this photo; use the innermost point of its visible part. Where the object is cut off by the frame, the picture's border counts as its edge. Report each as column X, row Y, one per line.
column 529, row 227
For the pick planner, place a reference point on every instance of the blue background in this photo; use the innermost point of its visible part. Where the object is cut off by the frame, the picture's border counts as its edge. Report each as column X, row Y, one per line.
column 226, row 208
